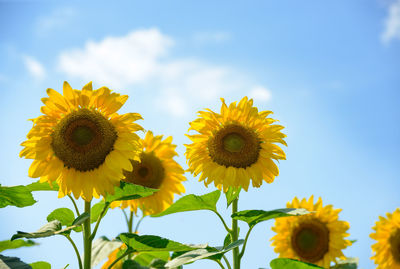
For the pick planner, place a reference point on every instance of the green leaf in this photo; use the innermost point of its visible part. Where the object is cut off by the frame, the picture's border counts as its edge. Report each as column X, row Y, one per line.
column 129, row 264
column 101, row 248
column 64, row 215
column 145, row 258
column 252, row 217
column 40, row 265
column 12, row 263
column 150, row 243
column 349, row 263
column 96, row 211
column 197, row 254
column 231, row 195
column 7, row 244
column 193, row 202
column 18, row 196
column 77, row 223
column 52, row 228
column 285, row 263
column 42, row 186
column 128, row 191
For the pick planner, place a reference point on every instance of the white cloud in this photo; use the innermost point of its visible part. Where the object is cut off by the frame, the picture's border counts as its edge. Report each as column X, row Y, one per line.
column 260, row 93
column 392, row 23
column 142, row 58
column 211, row 37
column 34, row 67
column 57, row 19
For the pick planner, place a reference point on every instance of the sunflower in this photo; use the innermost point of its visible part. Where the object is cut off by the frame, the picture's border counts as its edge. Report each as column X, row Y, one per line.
column 155, row 169
column 387, row 233
column 81, row 142
column 318, row 237
column 235, row 146
column 113, row 256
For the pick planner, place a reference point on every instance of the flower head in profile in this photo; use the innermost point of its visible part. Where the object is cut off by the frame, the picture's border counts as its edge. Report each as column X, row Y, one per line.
column 235, row 146
column 387, row 235
column 81, row 142
column 155, row 169
column 318, row 237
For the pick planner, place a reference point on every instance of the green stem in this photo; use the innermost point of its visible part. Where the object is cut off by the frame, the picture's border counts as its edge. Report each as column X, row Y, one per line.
column 223, row 222
column 87, row 242
column 137, row 224
column 103, row 212
column 245, row 243
column 235, row 235
column 76, row 250
column 76, row 208
column 227, row 262
column 130, row 222
column 127, row 252
column 220, row 264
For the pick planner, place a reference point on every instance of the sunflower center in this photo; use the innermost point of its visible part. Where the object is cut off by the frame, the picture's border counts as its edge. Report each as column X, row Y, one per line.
column 310, row 240
column 395, row 245
column 149, row 172
column 83, row 139
column 234, row 145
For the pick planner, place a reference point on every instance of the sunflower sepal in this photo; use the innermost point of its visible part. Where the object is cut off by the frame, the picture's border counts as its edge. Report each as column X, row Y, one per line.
column 231, row 195
column 252, row 217
column 193, row 202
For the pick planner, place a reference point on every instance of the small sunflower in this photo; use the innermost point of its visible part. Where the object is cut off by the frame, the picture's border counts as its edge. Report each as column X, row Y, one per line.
column 235, row 146
column 113, row 256
column 81, row 142
column 155, row 169
column 387, row 233
column 318, row 237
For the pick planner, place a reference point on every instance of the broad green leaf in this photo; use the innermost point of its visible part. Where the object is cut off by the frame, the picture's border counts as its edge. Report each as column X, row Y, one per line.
column 285, row 263
column 64, row 215
column 101, row 248
column 128, row 191
column 40, row 265
column 252, row 217
column 52, row 228
column 197, row 254
column 12, row 263
column 96, row 210
column 42, row 186
column 7, row 244
column 129, row 264
column 349, row 263
column 18, row 196
column 231, row 195
column 145, row 258
column 150, row 243
column 193, row 202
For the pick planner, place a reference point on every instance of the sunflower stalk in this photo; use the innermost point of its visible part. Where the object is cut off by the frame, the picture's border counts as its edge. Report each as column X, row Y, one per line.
column 235, row 235
column 87, row 242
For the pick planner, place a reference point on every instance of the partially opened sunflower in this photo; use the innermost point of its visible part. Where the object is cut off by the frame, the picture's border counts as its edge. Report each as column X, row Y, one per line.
column 155, row 169
column 387, row 235
column 235, row 146
column 318, row 237
column 81, row 142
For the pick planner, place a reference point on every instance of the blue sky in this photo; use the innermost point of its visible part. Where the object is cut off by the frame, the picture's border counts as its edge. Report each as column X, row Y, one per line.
column 328, row 69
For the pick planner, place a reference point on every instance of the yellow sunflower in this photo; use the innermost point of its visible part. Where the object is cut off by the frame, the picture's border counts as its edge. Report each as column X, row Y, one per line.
column 155, row 169
column 81, row 142
column 113, row 256
column 234, row 146
column 317, row 238
column 387, row 233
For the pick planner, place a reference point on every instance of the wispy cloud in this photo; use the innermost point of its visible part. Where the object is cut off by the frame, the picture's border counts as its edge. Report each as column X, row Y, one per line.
column 57, row 19
column 34, row 67
column 260, row 93
column 143, row 58
column 392, row 23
